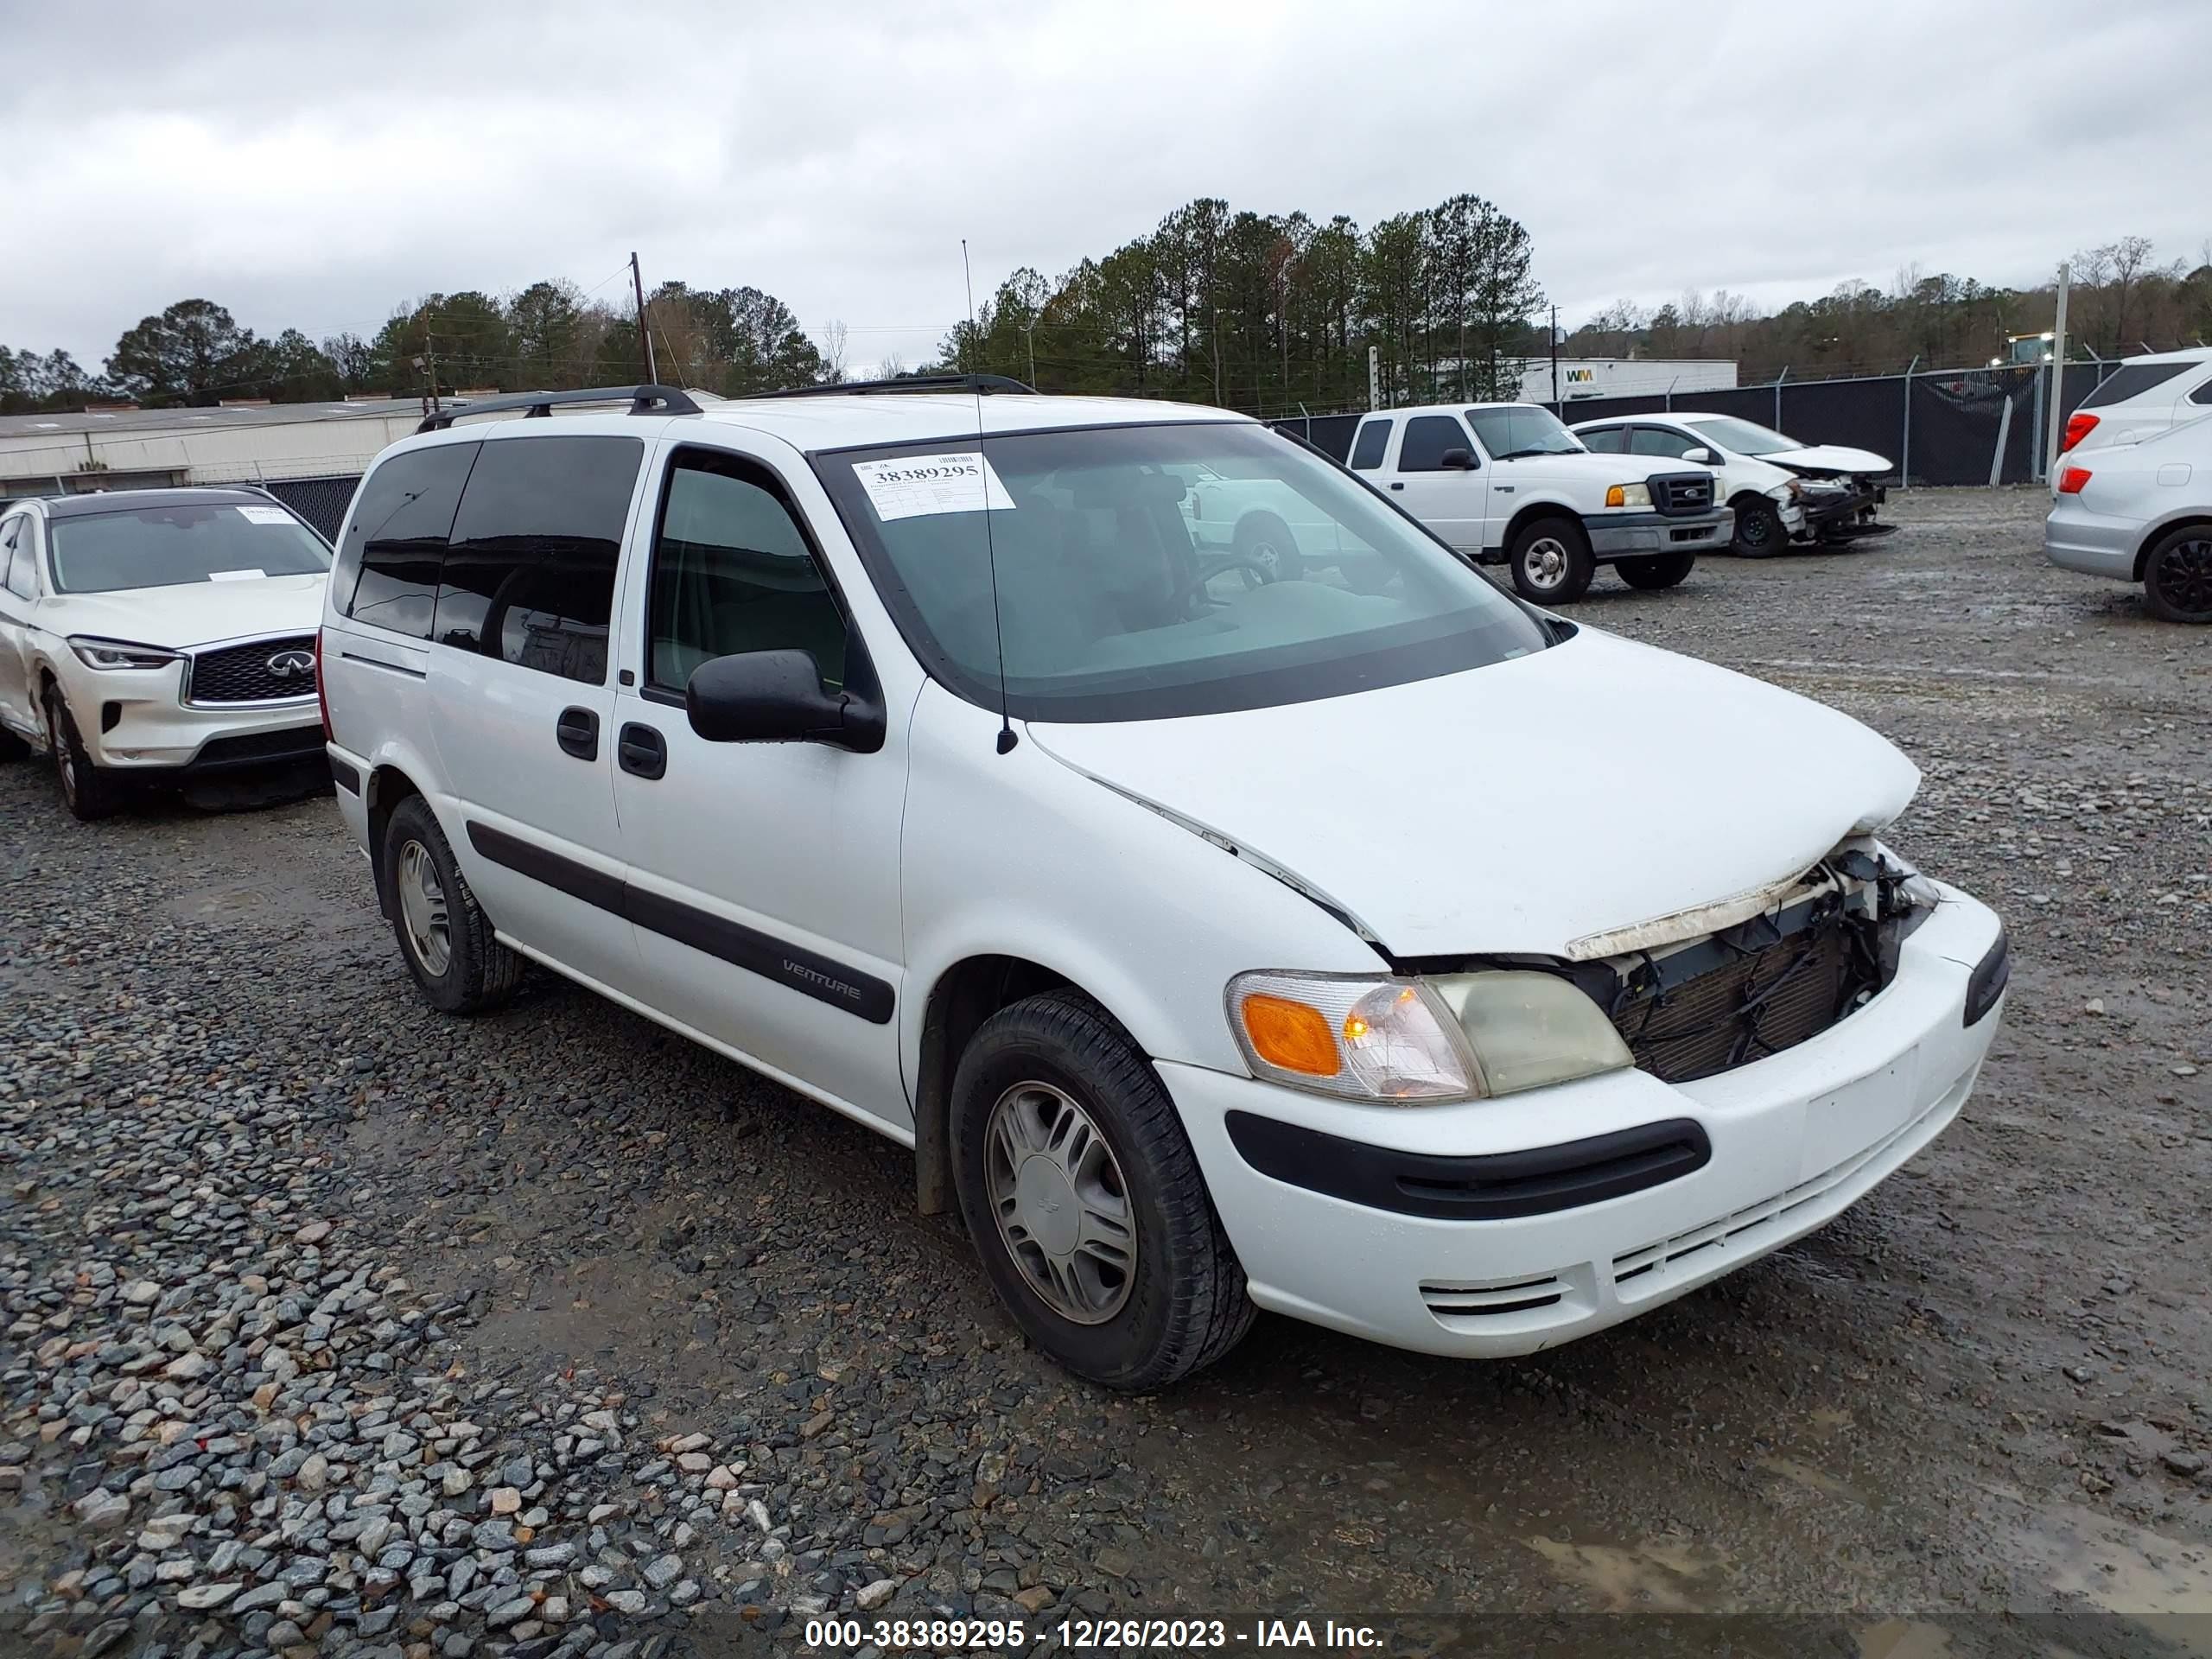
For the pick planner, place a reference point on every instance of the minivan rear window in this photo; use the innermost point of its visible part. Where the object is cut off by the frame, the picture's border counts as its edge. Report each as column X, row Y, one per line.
column 2131, row 380
column 395, row 540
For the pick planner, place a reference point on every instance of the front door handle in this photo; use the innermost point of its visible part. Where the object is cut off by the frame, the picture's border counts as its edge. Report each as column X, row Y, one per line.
column 577, row 731
column 1397, row 487
column 642, row 751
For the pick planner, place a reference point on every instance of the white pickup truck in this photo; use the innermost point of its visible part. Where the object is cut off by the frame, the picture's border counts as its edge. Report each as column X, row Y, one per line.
column 1507, row 483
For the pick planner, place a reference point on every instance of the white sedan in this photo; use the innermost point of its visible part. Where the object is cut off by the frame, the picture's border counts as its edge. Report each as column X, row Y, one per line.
column 157, row 634
column 1782, row 490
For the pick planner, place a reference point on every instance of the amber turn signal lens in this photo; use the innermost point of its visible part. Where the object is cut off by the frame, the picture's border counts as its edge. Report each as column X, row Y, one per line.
column 1291, row 1035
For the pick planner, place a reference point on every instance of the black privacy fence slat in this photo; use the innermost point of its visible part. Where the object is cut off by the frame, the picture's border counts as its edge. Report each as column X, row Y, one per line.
column 1965, row 426
column 320, row 501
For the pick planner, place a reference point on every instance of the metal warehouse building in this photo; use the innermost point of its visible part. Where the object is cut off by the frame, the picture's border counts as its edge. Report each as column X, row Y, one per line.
column 309, row 455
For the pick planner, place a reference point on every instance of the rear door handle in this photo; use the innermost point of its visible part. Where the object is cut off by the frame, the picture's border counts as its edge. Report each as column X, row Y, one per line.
column 1397, row 487
column 642, row 751
column 577, row 731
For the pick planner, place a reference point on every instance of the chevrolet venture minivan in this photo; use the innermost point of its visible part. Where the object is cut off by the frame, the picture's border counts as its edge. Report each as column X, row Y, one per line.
column 1221, row 934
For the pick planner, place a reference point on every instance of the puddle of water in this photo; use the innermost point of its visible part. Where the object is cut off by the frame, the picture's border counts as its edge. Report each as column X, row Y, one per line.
column 1658, row 1575
column 2117, row 1565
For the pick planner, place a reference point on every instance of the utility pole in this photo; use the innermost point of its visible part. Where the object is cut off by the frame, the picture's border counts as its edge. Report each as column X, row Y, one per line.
column 2058, row 376
column 644, row 334
column 429, row 363
column 1217, row 357
column 1554, row 339
column 1030, row 334
column 1375, row 377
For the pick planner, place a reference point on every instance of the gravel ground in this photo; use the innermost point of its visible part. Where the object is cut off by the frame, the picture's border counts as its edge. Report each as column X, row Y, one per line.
column 334, row 1326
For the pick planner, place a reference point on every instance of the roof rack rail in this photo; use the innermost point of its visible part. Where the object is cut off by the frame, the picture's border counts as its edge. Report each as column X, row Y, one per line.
column 644, row 400
column 996, row 382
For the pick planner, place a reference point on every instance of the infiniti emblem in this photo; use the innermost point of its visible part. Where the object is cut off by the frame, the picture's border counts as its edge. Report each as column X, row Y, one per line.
column 292, row 665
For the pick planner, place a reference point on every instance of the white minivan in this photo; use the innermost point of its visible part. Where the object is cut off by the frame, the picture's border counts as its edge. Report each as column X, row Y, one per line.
column 1220, row 934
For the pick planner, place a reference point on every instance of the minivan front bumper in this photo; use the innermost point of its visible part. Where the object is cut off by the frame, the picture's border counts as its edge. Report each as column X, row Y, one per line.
column 1596, row 1199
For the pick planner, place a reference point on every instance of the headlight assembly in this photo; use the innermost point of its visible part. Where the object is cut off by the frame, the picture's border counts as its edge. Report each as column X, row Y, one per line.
column 107, row 654
column 1629, row 495
column 1411, row 1041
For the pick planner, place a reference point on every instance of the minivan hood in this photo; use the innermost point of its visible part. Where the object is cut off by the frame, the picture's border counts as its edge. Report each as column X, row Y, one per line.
column 192, row 612
column 1830, row 458
column 1517, row 808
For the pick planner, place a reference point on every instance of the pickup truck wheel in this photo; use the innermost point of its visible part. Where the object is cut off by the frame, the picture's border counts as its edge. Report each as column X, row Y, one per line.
column 1660, row 570
column 1264, row 544
column 2177, row 576
column 88, row 793
column 1085, row 1201
column 1760, row 534
column 1550, row 560
column 444, row 937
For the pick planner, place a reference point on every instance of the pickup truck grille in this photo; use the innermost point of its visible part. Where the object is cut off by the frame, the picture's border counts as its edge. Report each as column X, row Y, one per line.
column 266, row 670
column 1679, row 494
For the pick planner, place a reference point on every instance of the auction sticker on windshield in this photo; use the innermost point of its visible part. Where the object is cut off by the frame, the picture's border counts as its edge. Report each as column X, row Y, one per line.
column 266, row 515
column 913, row 486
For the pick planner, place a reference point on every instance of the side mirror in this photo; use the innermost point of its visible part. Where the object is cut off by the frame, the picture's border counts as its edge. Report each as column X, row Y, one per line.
column 1459, row 460
column 1702, row 456
column 777, row 697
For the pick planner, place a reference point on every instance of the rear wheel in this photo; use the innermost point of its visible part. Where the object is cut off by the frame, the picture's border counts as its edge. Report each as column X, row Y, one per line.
column 1660, row 570
column 1759, row 532
column 87, row 790
column 2177, row 576
column 444, row 937
column 1551, row 563
column 1085, row 1201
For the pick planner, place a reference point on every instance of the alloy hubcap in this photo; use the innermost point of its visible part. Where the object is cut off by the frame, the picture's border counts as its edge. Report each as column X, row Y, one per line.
column 422, row 909
column 1062, row 1208
column 1547, row 564
column 64, row 762
column 2185, row 576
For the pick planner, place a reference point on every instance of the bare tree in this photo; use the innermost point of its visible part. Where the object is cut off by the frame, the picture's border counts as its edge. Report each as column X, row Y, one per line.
column 833, row 353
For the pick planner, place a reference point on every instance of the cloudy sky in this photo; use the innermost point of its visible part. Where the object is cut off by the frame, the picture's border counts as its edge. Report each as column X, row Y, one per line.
column 316, row 167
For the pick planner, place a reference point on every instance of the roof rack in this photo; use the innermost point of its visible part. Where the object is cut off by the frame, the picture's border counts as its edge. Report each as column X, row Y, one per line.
column 644, row 400
column 994, row 383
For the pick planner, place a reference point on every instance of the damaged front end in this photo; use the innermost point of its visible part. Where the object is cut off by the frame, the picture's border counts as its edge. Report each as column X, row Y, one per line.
column 1838, row 505
column 1828, row 944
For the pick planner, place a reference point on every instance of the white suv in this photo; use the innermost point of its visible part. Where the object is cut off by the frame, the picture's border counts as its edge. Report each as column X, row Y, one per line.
column 158, row 635
column 907, row 746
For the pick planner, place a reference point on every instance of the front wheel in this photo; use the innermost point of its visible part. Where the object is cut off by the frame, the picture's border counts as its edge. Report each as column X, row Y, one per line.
column 1551, row 563
column 89, row 792
column 1759, row 532
column 1660, row 570
column 1085, row 1200
column 2177, row 576
column 1267, row 549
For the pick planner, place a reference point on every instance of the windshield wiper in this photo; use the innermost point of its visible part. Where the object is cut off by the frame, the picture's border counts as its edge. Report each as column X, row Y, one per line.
column 1516, row 454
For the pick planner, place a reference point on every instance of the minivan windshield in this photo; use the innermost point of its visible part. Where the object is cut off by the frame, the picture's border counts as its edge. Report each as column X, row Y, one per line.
column 1743, row 437
column 165, row 546
column 1145, row 572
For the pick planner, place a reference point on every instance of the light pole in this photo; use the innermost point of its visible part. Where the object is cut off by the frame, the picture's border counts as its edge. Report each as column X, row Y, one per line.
column 1216, row 356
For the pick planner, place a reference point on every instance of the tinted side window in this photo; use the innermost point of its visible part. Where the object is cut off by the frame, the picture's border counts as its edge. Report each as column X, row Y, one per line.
column 529, row 575
column 2131, row 380
column 2202, row 394
column 1427, row 436
column 1610, row 442
column 387, row 573
column 1367, row 451
column 732, row 572
column 1652, row 441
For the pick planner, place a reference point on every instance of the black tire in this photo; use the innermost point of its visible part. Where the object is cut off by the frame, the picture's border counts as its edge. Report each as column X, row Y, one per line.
column 1759, row 532
column 1265, row 540
column 89, row 792
column 2177, row 576
column 1660, row 570
column 1551, row 563
column 1185, row 1303
column 477, row 972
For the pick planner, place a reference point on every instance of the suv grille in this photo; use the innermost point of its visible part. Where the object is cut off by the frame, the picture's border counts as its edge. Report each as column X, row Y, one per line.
column 250, row 673
column 1681, row 493
column 1758, row 1000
